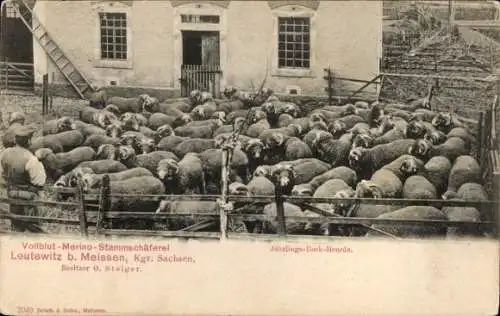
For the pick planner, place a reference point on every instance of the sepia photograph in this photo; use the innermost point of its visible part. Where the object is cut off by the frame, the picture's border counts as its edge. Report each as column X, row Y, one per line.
column 245, row 120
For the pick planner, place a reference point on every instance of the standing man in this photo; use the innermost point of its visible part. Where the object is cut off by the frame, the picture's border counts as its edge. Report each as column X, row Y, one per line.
column 24, row 177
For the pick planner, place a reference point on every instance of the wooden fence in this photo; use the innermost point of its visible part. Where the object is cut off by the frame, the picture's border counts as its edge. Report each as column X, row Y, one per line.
column 16, row 76
column 200, row 77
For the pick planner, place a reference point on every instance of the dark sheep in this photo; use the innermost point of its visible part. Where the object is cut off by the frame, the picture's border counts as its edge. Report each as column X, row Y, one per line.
column 182, row 177
column 98, row 99
column 64, row 141
column 418, row 187
column 95, row 141
column 93, row 181
column 254, row 148
column 61, row 163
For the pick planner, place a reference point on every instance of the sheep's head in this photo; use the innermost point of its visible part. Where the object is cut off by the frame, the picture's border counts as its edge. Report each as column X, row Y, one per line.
column 410, row 166
column 276, row 140
column 150, row 104
column 164, row 131
column 376, row 113
column 349, row 109
column 221, row 116
column 442, row 121
column 291, row 108
column 65, row 123
column 362, row 140
column 184, row 119
column 255, row 148
column 106, row 151
column 283, row 177
column 238, row 123
column 90, row 181
column 205, row 97
column 195, row 97
column 42, row 153
column 126, row 153
column 114, row 130
column 62, row 182
column 147, row 145
column 320, row 137
column 355, row 156
column 369, row 189
column 269, row 108
column 221, row 139
column 303, row 189
column 104, row 118
column 229, row 91
column 77, row 175
column 112, row 108
column 342, row 207
column 435, row 137
column 297, row 129
column 385, row 124
column 258, row 115
column 415, row 130
column 262, row 171
column 167, row 169
column 337, row 128
column 317, row 117
column 238, row 188
column 362, row 105
column 130, row 122
column 420, row 148
column 198, row 113
column 130, row 140
column 449, row 195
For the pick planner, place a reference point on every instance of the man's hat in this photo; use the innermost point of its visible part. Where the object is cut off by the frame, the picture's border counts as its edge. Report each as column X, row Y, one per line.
column 25, row 131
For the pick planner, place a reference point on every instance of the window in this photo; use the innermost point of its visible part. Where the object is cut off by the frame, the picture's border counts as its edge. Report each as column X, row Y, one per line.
column 293, row 42
column 189, row 18
column 11, row 10
column 113, row 36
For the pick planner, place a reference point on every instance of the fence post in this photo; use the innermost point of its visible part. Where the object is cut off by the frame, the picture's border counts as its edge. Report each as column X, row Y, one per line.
column 44, row 93
column 225, row 186
column 82, row 211
column 329, row 78
column 479, row 140
column 280, row 210
column 104, row 203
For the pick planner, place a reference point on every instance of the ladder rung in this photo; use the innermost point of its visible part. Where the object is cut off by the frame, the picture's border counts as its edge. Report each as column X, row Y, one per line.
column 53, row 50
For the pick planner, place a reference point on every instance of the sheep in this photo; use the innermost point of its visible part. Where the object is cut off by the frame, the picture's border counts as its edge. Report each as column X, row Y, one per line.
column 463, row 214
column 88, row 129
column 60, row 163
column 257, row 128
column 461, row 133
column 184, row 176
column 437, row 171
column 107, row 151
column 95, row 141
column 418, row 187
column 188, row 207
column 134, row 105
column 393, row 134
column 339, row 126
column 256, row 115
column 204, row 111
column 92, row 181
column 307, row 168
column 383, row 184
column 163, row 131
column 435, row 137
column 343, row 173
column 169, row 143
column 409, row 230
column 238, row 124
column 451, row 149
column 159, row 119
column 296, row 149
column 100, row 118
column 102, row 166
column 465, row 169
column 230, row 106
column 445, row 122
column 149, row 161
column 328, row 189
column 137, row 186
column 64, row 141
column 194, row 145
column 333, row 151
column 260, row 186
column 194, row 131
column 167, row 107
column 129, row 122
column 254, row 149
column 212, row 164
column 98, row 99
column 59, row 125
column 405, row 166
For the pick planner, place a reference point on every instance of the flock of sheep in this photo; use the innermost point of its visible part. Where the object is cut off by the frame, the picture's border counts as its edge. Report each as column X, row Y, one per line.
column 308, row 149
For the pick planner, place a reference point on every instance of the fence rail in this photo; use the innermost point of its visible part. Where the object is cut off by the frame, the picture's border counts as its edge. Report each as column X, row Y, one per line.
column 16, row 76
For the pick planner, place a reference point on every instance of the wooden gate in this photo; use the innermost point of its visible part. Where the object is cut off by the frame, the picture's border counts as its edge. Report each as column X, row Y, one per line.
column 200, row 77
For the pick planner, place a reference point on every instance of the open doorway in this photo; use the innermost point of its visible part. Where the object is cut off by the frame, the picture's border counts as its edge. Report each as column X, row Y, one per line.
column 200, row 48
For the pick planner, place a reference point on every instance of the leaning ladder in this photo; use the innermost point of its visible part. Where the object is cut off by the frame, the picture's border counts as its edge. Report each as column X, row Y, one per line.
column 66, row 67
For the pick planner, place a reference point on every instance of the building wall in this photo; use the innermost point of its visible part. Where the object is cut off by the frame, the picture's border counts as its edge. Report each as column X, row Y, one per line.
column 347, row 37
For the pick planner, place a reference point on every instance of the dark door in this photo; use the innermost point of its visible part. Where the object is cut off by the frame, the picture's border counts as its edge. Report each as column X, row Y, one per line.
column 200, row 48
column 16, row 38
